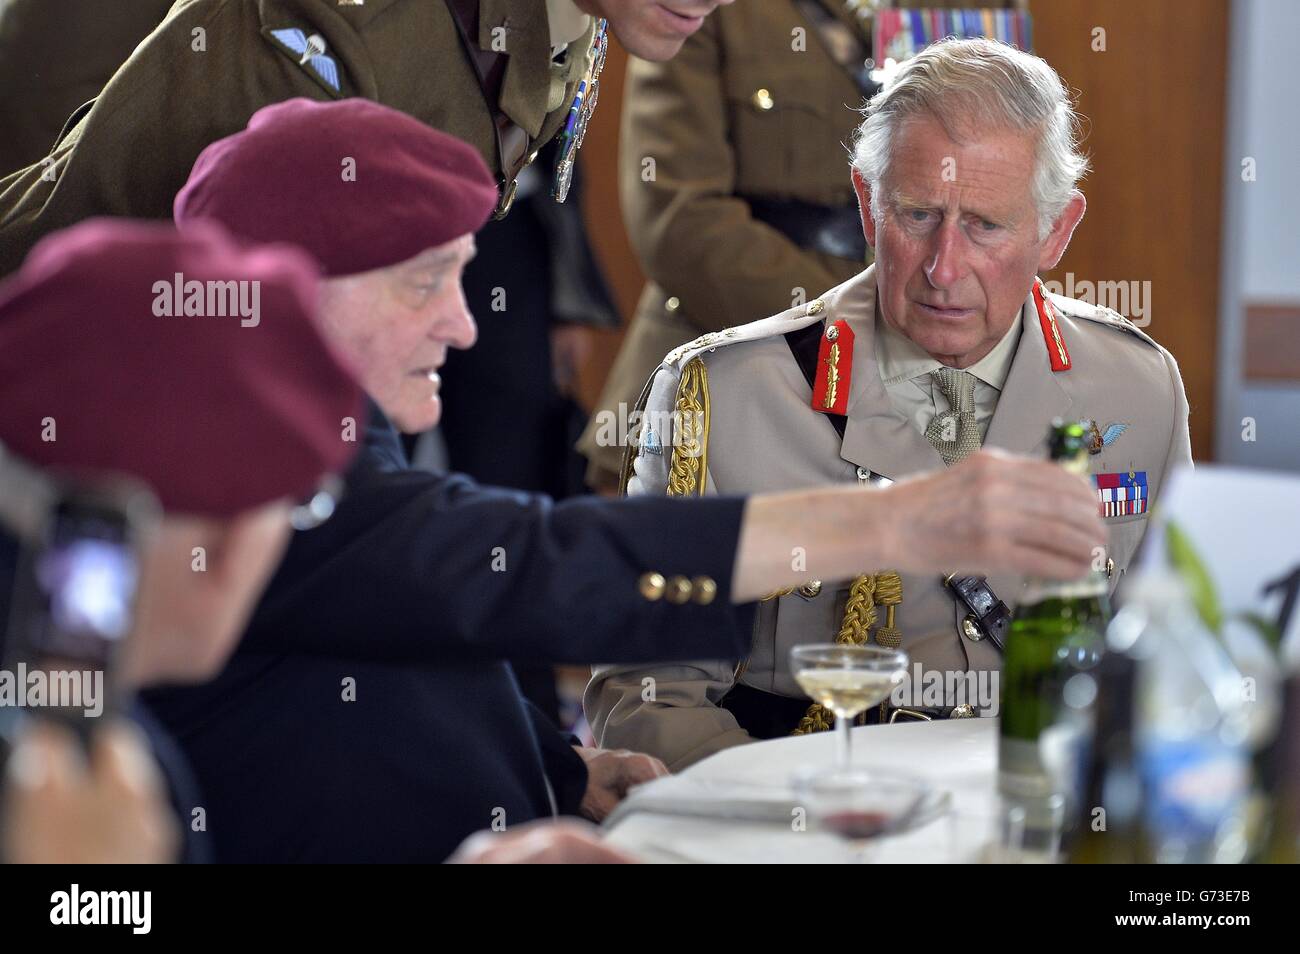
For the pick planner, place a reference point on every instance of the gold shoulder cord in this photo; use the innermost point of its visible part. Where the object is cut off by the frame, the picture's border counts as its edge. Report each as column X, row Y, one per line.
column 867, row 592
column 689, row 465
column 688, row 468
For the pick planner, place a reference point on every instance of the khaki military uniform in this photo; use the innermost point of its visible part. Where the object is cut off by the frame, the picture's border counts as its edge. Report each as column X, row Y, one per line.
column 213, row 63
column 759, row 433
column 56, row 55
column 747, row 110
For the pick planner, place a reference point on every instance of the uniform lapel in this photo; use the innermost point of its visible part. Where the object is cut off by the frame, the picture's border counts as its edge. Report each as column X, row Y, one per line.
column 876, row 436
column 1032, row 395
column 361, row 15
column 526, row 84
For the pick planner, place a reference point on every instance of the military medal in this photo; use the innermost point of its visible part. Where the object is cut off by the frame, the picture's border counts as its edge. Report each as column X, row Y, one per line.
column 584, row 104
column 1119, row 495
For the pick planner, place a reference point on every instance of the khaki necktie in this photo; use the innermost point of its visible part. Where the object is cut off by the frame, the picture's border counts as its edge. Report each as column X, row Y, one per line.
column 954, row 434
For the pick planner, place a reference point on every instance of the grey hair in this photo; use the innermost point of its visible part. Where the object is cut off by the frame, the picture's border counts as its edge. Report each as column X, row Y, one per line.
column 966, row 83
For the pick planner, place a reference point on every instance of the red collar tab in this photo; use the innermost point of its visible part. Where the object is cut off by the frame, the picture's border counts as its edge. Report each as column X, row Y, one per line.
column 1056, row 349
column 834, row 369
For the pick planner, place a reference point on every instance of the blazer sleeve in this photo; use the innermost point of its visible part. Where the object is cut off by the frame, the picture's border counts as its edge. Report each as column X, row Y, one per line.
column 415, row 566
column 566, row 772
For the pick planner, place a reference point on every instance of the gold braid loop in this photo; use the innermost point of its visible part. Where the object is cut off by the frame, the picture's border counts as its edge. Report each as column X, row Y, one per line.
column 867, row 592
column 889, row 593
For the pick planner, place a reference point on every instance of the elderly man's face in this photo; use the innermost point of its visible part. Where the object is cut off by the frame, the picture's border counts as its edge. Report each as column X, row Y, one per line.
column 956, row 237
column 394, row 325
column 650, row 29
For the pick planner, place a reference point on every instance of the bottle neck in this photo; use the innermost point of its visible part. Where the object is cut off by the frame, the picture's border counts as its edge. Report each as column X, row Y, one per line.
column 1094, row 584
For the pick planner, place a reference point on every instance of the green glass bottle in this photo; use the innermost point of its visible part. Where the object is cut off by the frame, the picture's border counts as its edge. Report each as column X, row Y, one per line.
column 1283, row 845
column 1056, row 639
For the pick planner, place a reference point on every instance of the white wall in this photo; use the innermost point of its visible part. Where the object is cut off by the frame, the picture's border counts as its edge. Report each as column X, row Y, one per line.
column 1261, row 231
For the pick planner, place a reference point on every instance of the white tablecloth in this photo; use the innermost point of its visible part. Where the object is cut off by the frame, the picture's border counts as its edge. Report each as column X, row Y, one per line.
column 957, row 756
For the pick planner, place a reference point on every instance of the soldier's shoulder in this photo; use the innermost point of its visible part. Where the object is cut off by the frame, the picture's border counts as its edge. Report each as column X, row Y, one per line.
column 1092, row 318
column 745, row 337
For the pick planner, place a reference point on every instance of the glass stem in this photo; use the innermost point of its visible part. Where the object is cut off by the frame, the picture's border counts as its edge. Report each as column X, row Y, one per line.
column 843, row 748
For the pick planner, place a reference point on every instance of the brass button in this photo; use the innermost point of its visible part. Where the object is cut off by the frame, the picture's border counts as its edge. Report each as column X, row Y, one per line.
column 832, row 333
column 672, row 304
column 678, row 590
column 651, row 585
column 815, row 307
column 705, row 590
column 763, row 99
column 963, row 711
column 971, row 628
column 1110, row 568
column 810, row 589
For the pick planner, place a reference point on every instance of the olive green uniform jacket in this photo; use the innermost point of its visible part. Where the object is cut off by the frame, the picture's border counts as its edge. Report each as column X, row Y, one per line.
column 56, row 55
column 213, row 63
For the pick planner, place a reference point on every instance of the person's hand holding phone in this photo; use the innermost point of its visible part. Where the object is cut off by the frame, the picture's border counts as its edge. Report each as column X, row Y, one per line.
column 61, row 807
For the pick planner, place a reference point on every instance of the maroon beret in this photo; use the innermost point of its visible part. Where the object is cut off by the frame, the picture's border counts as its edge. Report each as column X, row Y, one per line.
column 220, row 412
column 359, row 185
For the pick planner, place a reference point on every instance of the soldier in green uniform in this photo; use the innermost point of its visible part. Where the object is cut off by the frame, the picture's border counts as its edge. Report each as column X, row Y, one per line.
column 501, row 74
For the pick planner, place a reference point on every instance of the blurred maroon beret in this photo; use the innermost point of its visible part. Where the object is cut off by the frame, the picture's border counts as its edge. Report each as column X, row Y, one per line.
column 218, row 412
column 358, row 185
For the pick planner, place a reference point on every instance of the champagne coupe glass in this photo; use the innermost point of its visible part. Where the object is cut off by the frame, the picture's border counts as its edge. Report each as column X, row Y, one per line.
column 847, row 679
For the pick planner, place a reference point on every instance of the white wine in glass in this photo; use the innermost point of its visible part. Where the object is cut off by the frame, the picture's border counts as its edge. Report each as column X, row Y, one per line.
column 847, row 680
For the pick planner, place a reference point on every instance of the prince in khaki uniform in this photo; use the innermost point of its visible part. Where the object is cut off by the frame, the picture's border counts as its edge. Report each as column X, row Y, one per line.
column 948, row 343
column 749, row 209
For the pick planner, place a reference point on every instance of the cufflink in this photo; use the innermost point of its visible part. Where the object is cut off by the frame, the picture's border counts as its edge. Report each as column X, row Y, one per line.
column 651, row 585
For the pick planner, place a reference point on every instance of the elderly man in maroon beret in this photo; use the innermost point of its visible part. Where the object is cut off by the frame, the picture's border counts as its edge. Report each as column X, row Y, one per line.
column 433, row 573
column 226, row 424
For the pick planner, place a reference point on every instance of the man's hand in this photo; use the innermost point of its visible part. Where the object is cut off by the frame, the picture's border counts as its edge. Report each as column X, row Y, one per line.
column 539, row 843
column 610, row 773
column 60, row 810
column 995, row 512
